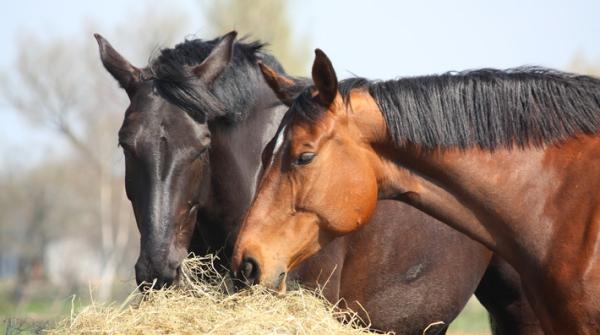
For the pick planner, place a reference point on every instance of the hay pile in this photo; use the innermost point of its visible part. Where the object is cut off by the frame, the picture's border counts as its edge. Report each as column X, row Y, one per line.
column 202, row 305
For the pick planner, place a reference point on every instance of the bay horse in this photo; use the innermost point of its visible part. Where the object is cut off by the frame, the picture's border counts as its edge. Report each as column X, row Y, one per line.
column 510, row 158
column 199, row 117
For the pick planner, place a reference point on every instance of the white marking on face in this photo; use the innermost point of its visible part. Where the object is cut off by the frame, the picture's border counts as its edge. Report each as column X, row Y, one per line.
column 278, row 143
column 270, row 128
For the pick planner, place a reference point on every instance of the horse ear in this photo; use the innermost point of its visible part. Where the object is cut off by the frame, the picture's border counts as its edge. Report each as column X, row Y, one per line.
column 285, row 88
column 218, row 59
column 126, row 74
column 324, row 77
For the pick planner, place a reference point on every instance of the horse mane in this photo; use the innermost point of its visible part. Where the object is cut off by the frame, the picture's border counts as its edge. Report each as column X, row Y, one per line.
column 231, row 92
column 487, row 108
column 490, row 108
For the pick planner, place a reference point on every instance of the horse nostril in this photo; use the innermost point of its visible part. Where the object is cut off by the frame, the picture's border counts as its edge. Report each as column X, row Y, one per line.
column 249, row 270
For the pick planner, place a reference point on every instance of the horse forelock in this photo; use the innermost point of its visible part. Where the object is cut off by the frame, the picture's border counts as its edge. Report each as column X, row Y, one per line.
column 228, row 96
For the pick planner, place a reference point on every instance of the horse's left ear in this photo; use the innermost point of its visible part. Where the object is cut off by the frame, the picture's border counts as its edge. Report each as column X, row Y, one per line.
column 218, row 59
column 126, row 74
column 284, row 87
column 324, row 77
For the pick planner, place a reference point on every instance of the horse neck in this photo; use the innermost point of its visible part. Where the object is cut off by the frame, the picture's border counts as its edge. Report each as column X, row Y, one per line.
column 236, row 156
column 484, row 194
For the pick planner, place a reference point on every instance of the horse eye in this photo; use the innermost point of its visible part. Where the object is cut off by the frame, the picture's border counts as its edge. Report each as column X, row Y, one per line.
column 305, row 158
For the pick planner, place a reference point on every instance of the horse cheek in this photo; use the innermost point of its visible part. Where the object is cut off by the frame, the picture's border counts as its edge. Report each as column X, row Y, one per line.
column 357, row 208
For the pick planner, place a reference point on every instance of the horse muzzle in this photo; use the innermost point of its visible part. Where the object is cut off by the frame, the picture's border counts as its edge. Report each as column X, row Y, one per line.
column 155, row 275
column 249, row 272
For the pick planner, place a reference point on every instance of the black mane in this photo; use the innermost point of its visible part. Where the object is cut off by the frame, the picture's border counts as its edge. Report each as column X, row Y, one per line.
column 487, row 108
column 228, row 96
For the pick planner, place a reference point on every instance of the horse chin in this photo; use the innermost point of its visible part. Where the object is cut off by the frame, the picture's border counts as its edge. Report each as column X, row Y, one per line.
column 160, row 272
column 277, row 284
column 282, row 284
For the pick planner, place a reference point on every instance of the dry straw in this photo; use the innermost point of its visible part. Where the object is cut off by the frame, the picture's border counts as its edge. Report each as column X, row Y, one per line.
column 201, row 304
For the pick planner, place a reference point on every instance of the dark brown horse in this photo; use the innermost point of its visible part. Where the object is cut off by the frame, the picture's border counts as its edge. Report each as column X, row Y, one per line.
column 511, row 158
column 199, row 117
column 192, row 137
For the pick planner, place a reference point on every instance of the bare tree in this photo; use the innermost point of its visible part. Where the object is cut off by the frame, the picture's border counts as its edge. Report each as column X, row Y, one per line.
column 582, row 64
column 266, row 20
column 60, row 84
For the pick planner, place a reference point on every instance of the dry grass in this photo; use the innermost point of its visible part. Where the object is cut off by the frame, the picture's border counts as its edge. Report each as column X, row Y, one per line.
column 202, row 305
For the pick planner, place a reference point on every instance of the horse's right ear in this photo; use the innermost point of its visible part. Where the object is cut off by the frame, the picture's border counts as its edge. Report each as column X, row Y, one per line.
column 217, row 60
column 324, row 77
column 126, row 74
column 285, row 88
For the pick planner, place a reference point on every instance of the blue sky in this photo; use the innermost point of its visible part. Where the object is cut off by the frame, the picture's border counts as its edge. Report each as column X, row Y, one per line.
column 375, row 39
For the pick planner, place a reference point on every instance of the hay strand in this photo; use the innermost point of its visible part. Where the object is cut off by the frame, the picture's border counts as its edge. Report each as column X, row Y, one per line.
column 202, row 303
